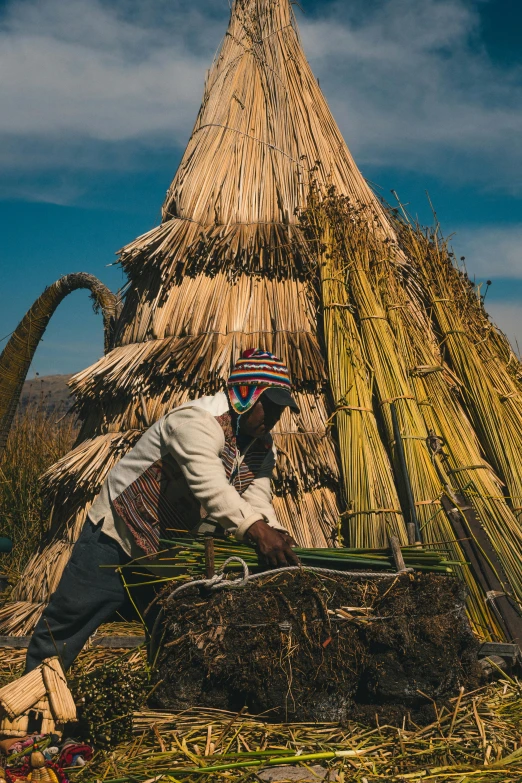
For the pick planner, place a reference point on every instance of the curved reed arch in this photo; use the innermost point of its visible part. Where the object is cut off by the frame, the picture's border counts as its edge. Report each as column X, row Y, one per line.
column 17, row 355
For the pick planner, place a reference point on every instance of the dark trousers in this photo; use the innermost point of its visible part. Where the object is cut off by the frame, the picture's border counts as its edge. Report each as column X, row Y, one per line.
column 86, row 597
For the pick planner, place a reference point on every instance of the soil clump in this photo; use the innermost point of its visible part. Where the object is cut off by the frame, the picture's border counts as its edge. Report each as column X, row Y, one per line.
column 307, row 647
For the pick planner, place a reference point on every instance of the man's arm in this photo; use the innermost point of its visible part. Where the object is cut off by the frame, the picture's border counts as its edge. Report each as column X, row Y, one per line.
column 272, row 542
column 195, row 440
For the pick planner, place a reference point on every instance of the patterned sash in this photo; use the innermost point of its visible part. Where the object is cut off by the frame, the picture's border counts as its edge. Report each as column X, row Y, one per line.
column 149, row 512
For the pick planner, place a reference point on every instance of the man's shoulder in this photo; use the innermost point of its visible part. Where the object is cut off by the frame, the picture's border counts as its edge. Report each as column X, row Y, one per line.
column 197, row 415
column 215, row 405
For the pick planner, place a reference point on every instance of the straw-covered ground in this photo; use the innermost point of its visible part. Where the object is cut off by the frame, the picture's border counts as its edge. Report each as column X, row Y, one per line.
column 476, row 737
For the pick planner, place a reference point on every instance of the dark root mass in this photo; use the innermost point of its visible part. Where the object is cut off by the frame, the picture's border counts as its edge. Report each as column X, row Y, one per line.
column 282, row 646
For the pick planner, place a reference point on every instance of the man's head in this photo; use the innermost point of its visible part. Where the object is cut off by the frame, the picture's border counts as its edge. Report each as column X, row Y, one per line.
column 259, row 390
column 261, row 418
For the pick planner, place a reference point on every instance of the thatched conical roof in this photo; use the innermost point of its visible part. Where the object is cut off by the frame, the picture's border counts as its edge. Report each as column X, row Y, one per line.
column 227, row 269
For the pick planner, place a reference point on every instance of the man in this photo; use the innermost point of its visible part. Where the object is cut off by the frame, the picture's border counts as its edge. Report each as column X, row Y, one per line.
column 204, row 465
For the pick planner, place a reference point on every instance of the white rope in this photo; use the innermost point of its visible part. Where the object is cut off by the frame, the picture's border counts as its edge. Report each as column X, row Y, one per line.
column 219, row 582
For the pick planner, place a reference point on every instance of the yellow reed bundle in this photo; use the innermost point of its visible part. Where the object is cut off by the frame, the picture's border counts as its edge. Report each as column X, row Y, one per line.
column 309, row 516
column 373, row 510
column 42, row 579
column 20, row 695
column 60, row 697
column 18, row 618
column 496, row 412
column 400, row 348
column 434, row 387
column 15, row 728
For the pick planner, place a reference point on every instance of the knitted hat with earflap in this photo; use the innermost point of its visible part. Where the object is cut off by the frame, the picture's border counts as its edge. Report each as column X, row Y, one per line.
column 256, row 372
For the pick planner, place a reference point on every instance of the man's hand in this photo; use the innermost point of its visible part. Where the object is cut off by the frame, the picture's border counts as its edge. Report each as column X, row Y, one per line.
column 273, row 546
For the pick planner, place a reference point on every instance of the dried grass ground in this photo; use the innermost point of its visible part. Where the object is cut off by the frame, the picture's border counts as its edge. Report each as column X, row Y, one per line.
column 476, row 739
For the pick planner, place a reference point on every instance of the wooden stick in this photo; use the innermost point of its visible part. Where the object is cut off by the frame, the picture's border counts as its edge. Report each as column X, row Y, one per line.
column 209, row 557
column 397, row 554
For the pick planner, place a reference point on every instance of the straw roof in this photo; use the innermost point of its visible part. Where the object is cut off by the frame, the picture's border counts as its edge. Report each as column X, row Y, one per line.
column 227, row 269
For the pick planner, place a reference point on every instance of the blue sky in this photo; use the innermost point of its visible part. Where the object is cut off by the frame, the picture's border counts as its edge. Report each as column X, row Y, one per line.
column 98, row 98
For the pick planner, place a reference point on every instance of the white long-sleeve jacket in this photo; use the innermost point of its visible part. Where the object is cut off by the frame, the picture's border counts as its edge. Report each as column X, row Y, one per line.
column 186, row 469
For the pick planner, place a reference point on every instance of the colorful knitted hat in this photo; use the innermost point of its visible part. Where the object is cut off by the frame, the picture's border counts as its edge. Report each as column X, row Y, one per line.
column 252, row 374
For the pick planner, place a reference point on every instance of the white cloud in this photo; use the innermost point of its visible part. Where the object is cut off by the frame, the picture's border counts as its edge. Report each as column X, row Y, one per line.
column 491, row 251
column 81, row 70
column 412, row 86
column 95, row 82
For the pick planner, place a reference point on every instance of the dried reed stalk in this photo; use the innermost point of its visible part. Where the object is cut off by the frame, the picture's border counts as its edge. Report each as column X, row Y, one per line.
column 403, row 352
column 492, row 397
column 466, row 467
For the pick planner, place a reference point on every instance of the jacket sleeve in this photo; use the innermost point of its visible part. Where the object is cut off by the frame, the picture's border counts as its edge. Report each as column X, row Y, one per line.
column 195, row 440
column 259, row 493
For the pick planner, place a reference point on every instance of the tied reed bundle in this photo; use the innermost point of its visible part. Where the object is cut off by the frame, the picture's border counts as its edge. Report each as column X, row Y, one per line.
column 185, row 557
column 20, row 695
column 373, row 508
column 454, row 404
column 388, row 300
column 60, row 698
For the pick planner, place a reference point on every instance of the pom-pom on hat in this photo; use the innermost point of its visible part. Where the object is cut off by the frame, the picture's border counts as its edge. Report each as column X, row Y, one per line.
column 255, row 372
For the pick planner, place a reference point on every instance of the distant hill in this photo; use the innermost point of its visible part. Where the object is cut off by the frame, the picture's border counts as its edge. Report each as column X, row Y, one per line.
column 51, row 391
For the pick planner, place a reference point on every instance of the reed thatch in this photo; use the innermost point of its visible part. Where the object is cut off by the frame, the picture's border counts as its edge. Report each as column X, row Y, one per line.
column 271, row 237
column 44, row 692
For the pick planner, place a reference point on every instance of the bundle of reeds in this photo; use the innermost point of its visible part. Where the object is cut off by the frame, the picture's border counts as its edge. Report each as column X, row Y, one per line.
column 454, row 409
column 390, row 304
column 185, row 558
column 373, row 510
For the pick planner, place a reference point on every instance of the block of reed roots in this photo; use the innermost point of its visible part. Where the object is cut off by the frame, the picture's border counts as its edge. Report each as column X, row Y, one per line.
column 60, row 698
column 20, row 695
column 304, row 646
